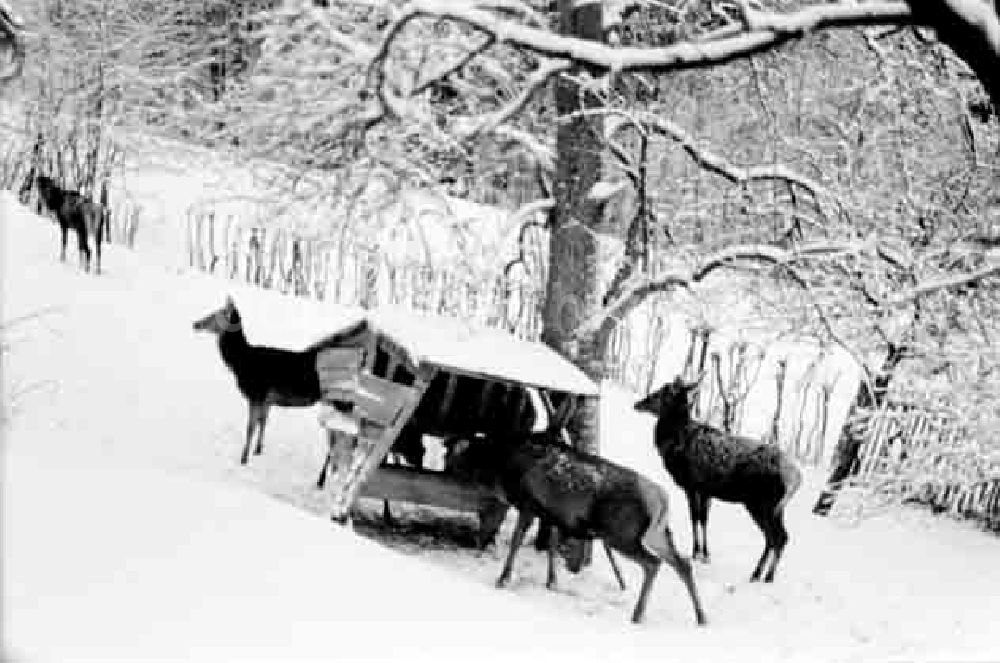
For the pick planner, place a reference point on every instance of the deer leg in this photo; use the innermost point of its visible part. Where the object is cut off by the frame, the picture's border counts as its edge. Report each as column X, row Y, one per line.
column 321, row 481
column 550, row 581
column 520, row 529
column 763, row 522
column 693, row 500
column 649, row 570
column 253, row 421
column 614, row 565
column 262, row 423
column 64, row 232
column 703, row 505
column 780, row 535
column 683, row 568
column 82, row 245
column 491, row 516
column 97, row 246
column 542, row 537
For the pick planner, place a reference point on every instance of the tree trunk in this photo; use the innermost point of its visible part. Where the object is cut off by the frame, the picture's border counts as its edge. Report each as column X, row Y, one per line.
column 852, row 436
column 583, row 232
column 573, row 290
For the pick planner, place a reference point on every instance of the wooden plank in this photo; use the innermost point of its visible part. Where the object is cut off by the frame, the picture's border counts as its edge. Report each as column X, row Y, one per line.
column 333, row 419
column 552, row 415
column 484, row 397
column 380, row 400
column 338, row 370
column 565, row 411
column 390, row 369
column 373, row 443
column 518, row 411
column 370, row 352
column 449, row 395
column 402, row 484
column 339, row 359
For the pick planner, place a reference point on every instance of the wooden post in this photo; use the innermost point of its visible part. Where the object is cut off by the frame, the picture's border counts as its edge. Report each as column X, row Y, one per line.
column 484, row 398
column 719, row 393
column 779, row 377
column 449, row 395
column 705, row 337
column 688, row 370
column 518, row 410
column 824, row 422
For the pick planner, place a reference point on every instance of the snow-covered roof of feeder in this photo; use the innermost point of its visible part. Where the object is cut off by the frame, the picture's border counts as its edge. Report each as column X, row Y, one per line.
column 456, row 346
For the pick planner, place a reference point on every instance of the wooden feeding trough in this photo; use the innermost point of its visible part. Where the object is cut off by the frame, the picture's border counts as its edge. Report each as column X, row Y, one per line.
column 429, row 375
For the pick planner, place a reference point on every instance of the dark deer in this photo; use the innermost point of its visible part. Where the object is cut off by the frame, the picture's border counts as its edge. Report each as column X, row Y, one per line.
column 583, row 497
column 76, row 212
column 706, row 462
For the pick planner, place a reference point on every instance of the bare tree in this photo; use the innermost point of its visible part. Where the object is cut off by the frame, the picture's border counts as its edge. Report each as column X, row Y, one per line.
column 583, row 97
column 11, row 43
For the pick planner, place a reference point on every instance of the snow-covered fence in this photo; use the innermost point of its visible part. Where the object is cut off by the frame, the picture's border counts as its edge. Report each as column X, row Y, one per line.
column 347, row 272
column 124, row 214
column 917, row 454
column 743, row 378
column 635, row 347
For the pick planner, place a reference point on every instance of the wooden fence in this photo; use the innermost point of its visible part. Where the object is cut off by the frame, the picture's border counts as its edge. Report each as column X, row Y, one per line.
column 349, row 273
column 735, row 379
column 917, row 454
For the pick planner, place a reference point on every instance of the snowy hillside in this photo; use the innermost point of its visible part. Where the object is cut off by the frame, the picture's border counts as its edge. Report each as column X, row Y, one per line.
column 131, row 532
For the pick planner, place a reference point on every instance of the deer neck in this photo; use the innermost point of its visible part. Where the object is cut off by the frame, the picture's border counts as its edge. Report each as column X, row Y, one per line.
column 671, row 427
column 233, row 346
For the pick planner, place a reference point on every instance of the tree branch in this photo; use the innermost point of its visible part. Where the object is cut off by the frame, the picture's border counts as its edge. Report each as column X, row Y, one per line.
column 634, row 293
column 456, row 66
column 717, row 164
column 766, row 30
column 11, row 27
column 537, row 81
column 945, row 283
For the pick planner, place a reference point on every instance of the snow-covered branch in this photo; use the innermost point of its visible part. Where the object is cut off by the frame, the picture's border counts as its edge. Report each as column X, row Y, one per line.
column 945, row 284
column 11, row 38
column 765, row 30
column 970, row 27
column 716, row 163
column 634, row 292
column 455, row 66
column 537, row 81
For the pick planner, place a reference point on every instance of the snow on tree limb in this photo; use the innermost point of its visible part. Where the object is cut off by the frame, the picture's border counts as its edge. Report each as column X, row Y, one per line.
column 771, row 29
column 536, row 82
column 970, row 27
column 454, row 67
column 11, row 38
column 809, row 19
column 632, row 294
column 717, row 164
column 945, row 284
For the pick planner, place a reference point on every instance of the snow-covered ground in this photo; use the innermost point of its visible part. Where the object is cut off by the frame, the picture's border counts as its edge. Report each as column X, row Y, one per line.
column 131, row 532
